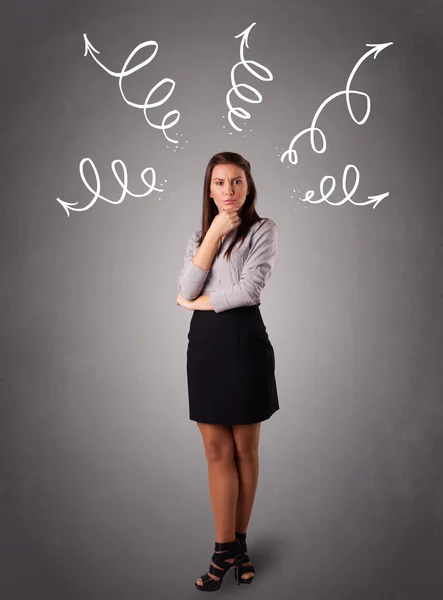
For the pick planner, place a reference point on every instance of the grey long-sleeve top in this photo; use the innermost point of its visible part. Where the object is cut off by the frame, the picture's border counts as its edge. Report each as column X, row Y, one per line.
column 239, row 281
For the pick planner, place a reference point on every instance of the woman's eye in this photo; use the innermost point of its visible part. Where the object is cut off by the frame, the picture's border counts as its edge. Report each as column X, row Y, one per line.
column 221, row 182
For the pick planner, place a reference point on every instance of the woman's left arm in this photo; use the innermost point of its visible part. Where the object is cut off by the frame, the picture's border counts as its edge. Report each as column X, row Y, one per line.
column 256, row 271
column 200, row 303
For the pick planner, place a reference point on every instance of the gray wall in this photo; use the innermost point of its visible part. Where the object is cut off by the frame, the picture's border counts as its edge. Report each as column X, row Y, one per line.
column 103, row 476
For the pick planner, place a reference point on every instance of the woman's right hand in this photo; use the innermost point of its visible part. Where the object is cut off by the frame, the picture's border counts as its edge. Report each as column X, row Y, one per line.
column 225, row 221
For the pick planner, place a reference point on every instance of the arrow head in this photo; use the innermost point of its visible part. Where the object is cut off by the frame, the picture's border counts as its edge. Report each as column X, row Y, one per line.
column 379, row 47
column 88, row 46
column 245, row 34
column 66, row 205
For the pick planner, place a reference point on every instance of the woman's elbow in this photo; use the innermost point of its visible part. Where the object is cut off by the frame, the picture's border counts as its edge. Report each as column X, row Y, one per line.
column 188, row 294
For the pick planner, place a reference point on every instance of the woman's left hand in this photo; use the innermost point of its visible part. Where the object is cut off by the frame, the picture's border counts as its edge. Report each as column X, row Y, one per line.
column 183, row 302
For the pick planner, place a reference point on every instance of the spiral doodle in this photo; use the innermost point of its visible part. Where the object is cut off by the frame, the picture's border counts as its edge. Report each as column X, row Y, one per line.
column 123, row 182
column 375, row 200
column 291, row 153
column 89, row 48
column 237, row 111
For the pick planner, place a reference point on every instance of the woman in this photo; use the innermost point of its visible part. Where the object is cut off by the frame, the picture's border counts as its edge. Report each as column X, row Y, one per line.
column 230, row 359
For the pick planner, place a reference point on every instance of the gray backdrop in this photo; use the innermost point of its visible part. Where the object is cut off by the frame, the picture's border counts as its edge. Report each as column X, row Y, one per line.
column 103, row 476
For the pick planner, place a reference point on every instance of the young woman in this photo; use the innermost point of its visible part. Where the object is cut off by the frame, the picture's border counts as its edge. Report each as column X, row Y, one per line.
column 230, row 359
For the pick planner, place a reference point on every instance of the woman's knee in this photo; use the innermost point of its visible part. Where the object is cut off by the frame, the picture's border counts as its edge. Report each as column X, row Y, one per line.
column 218, row 442
column 219, row 451
column 246, row 441
column 246, row 454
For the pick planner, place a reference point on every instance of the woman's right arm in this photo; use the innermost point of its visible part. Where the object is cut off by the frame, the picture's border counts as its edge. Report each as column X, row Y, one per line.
column 197, row 263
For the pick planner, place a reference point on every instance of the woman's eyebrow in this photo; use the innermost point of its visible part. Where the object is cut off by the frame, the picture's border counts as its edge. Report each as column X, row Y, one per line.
column 221, row 178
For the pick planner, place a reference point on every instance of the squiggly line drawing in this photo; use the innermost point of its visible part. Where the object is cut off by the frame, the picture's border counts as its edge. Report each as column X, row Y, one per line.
column 151, row 186
column 89, row 48
column 237, row 111
column 324, row 198
column 293, row 157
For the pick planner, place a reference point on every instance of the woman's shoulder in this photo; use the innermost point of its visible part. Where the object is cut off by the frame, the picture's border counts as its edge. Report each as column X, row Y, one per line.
column 265, row 222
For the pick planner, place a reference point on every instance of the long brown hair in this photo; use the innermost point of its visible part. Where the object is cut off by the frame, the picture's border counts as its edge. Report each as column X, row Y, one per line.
column 248, row 214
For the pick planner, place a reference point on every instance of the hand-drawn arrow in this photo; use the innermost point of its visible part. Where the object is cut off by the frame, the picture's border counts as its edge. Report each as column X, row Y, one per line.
column 92, row 51
column 237, row 111
column 293, row 157
column 123, row 182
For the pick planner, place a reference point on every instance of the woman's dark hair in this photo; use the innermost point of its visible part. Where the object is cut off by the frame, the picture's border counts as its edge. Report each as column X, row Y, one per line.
column 248, row 214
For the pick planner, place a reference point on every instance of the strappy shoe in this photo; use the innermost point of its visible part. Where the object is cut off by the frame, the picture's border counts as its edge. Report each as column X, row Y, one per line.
column 229, row 550
column 243, row 568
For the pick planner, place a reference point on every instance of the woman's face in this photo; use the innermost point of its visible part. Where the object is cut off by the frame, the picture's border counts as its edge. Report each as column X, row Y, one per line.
column 228, row 182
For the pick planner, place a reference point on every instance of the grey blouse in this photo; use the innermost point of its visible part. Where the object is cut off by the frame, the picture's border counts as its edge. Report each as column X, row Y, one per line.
column 238, row 281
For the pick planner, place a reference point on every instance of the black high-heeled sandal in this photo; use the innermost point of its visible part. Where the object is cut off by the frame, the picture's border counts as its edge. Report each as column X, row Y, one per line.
column 230, row 550
column 241, row 537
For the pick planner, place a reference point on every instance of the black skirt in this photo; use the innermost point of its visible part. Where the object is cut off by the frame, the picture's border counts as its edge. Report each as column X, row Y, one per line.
column 230, row 367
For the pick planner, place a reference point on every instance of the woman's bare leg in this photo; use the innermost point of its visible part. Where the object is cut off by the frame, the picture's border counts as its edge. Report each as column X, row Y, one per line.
column 246, row 439
column 223, row 480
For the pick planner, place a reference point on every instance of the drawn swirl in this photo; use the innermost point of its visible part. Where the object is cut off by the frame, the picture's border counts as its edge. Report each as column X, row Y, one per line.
column 89, row 48
column 238, row 111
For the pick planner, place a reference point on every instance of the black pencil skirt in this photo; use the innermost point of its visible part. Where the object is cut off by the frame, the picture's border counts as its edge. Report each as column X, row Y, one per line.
column 230, row 367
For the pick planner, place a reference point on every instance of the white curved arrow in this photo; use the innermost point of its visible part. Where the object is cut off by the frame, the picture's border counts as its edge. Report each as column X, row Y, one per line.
column 375, row 200
column 237, row 111
column 290, row 152
column 68, row 206
column 92, row 51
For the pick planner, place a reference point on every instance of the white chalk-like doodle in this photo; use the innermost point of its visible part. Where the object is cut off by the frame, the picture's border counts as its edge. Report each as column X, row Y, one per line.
column 89, row 49
column 237, row 111
column 348, row 195
column 68, row 206
column 291, row 153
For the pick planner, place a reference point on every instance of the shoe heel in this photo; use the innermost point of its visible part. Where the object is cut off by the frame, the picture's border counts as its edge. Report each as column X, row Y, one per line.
column 241, row 537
